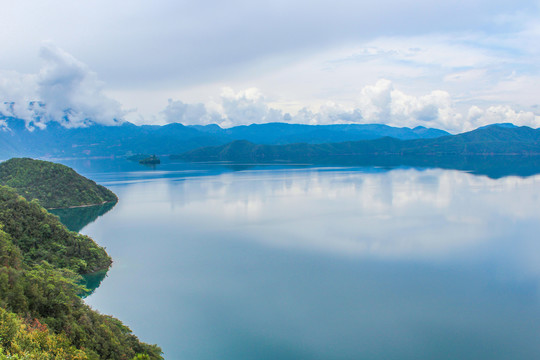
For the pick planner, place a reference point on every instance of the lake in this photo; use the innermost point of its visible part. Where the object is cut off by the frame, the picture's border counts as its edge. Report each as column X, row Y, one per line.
column 291, row 262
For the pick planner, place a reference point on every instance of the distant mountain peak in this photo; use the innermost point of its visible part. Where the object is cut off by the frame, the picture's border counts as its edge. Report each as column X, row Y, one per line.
column 501, row 125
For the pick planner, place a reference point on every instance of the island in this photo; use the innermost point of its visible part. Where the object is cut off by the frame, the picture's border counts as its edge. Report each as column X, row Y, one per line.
column 152, row 160
column 42, row 314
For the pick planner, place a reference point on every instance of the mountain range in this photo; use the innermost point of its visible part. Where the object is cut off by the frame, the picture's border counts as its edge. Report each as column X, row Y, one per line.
column 490, row 140
column 495, row 150
column 127, row 139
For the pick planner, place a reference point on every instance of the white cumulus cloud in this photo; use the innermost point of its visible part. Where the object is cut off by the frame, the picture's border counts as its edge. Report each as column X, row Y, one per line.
column 247, row 107
column 188, row 114
column 328, row 114
column 502, row 114
column 65, row 90
column 383, row 103
column 380, row 103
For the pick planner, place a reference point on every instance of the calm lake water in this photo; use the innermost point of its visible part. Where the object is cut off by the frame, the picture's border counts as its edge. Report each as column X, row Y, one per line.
column 214, row 262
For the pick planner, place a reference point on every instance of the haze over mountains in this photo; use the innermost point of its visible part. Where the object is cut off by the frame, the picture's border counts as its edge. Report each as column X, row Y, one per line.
column 99, row 140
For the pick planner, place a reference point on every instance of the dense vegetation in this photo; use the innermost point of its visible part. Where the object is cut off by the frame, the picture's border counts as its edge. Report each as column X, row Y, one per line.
column 41, row 313
column 137, row 157
column 30, row 339
column 41, row 237
column 54, row 185
column 151, row 160
column 42, row 316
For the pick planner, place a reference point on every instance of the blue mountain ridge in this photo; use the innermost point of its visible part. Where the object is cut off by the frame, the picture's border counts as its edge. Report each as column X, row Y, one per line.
column 486, row 141
column 494, row 150
column 125, row 139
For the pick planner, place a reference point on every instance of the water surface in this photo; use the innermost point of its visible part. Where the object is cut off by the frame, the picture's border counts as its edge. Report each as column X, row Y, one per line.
column 322, row 263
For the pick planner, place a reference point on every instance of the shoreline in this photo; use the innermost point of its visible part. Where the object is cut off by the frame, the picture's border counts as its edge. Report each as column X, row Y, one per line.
column 82, row 206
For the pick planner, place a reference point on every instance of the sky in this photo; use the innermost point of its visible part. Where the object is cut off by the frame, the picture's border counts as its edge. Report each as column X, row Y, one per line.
column 454, row 64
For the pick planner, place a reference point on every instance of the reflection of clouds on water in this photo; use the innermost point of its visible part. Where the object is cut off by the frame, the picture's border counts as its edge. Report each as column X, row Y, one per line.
column 401, row 214
column 403, row 264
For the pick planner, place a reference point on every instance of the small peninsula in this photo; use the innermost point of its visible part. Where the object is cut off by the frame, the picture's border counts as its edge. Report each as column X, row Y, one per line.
column 53, row 185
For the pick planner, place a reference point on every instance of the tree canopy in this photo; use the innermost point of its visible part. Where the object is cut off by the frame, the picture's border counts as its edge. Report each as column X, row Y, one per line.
column 53, row 185
column 42, row 315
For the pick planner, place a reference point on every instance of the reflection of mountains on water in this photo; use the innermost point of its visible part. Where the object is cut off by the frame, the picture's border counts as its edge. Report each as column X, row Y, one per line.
column 494, row 167
column 92, row 282
column 496, row 151
column 239, row 167
column 75, row 219
column 150, row 166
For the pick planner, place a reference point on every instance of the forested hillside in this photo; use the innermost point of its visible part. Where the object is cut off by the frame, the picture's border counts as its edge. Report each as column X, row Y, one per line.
column 41, row 237
column 42, row 315
column 53, row 185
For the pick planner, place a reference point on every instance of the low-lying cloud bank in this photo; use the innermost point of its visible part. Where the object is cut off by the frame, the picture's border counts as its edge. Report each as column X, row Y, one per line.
column 66, row 91
column 380, row 103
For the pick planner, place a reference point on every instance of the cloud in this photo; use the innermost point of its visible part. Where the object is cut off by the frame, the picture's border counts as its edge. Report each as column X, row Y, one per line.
column 234, row 108
column 384, row 104
column 65, row 90
column 16, row 93
column 233, row 36
column 187, row 114
column 327, row 114
column 502, row 114
column 247, row 107
column 301, row 50
column 380, row 103
column 72, row 93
